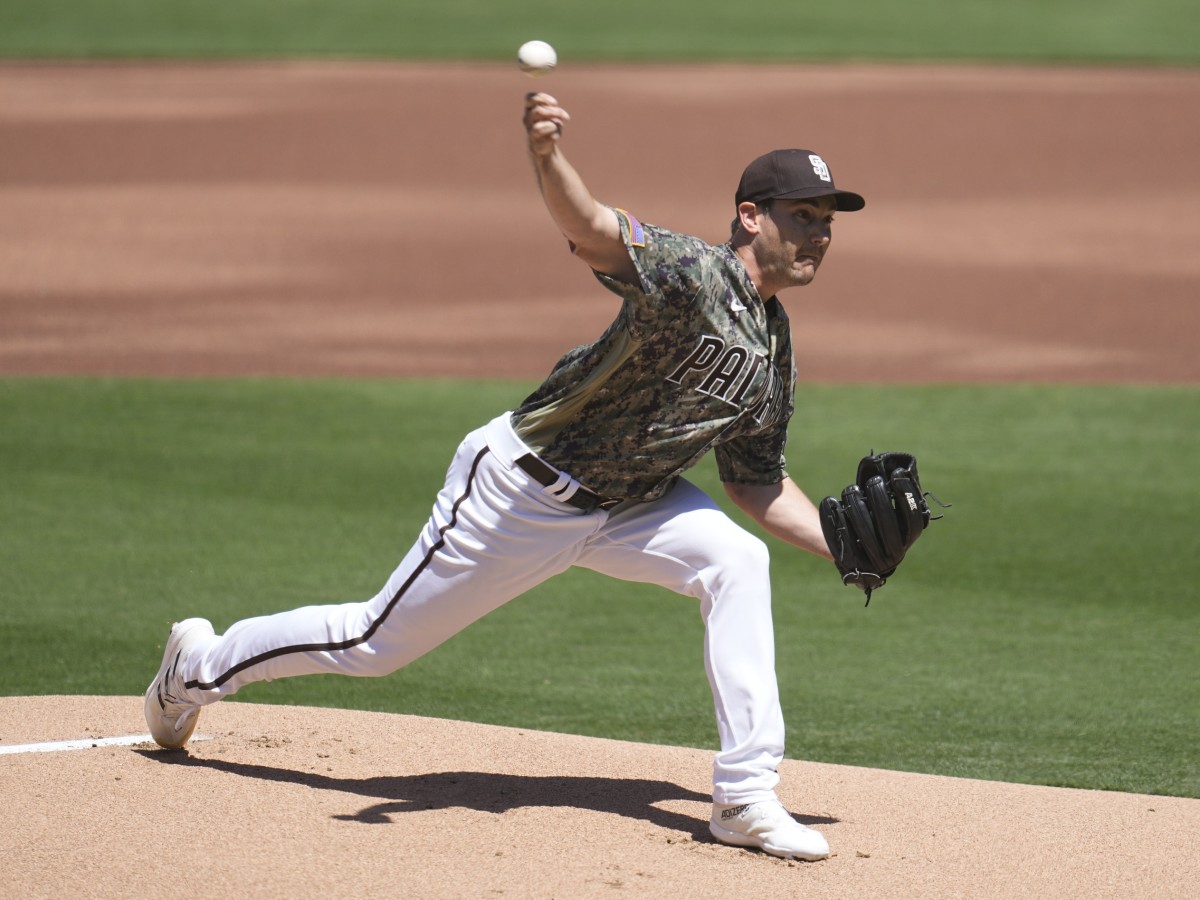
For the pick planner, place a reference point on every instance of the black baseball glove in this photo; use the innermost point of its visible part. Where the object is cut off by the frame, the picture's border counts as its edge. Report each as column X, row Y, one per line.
column 881, row 515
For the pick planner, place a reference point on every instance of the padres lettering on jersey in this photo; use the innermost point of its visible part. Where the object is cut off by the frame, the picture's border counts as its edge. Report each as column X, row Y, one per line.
column 729, row 374
column 695, row 361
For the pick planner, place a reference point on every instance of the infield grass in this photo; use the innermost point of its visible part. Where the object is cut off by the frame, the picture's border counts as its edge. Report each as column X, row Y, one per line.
column 1107, row 31
column 1044, row 632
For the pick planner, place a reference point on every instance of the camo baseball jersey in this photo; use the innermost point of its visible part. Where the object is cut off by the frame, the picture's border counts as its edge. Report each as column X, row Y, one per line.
column 695, row 361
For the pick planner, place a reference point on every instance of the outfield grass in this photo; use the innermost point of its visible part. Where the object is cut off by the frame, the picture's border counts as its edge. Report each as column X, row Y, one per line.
column 1123, row 31
column 1043, row 632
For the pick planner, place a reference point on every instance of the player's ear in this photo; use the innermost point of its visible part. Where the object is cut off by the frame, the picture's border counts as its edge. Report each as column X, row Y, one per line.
column 750, row 217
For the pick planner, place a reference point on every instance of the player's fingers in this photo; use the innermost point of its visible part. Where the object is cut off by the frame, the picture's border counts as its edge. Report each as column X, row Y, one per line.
column 542, row 106
column 553, row 114
column 543, row 136
column 549, row 128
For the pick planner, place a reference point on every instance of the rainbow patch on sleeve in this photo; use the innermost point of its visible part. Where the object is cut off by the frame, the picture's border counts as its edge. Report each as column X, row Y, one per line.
column 637, row 237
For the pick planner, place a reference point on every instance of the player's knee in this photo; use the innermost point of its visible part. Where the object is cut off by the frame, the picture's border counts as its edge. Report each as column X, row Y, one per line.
column 752, row 552
column 737, row 556
column 737, row 580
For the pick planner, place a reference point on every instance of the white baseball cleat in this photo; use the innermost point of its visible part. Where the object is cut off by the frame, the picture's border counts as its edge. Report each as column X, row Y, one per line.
column 171, row 716
column 767, row 826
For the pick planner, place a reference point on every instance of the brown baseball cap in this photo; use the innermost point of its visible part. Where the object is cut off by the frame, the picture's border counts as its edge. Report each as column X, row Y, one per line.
column 792, row 174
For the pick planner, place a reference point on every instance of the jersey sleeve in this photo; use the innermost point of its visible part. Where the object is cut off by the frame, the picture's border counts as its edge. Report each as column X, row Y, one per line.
column 670, row 272
column 753, row 459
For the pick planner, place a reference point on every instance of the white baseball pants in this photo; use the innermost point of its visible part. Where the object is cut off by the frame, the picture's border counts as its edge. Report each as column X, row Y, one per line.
column 495, row 533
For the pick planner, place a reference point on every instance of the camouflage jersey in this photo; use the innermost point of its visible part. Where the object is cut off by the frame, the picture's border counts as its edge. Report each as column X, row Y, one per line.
column 695, row 361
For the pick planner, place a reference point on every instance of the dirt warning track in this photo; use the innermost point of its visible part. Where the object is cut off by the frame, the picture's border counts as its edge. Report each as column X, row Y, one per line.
column 382, row 219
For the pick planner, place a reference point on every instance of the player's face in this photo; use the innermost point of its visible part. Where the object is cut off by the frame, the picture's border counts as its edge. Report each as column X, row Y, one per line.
column 794, row 238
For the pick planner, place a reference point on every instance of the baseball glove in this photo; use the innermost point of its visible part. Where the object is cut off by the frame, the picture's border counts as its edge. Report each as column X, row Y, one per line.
column 881, row 515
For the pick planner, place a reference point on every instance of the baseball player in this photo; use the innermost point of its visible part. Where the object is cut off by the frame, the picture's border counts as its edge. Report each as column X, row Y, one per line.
column 588, row 471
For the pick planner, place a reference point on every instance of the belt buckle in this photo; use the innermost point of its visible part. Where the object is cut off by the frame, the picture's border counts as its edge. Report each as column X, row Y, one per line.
column 589, row 501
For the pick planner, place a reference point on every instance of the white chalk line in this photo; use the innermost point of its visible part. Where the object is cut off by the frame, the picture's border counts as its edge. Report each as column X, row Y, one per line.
column 86, row 744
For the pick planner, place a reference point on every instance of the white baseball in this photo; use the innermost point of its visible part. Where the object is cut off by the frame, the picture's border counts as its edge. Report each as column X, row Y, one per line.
column 536, row 58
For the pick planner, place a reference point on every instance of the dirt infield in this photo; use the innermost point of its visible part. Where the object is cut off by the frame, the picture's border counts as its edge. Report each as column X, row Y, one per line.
column 291, row 802
column 381, row 220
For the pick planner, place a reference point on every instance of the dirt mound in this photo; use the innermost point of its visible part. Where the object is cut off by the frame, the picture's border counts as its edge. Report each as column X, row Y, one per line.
column 289, row 801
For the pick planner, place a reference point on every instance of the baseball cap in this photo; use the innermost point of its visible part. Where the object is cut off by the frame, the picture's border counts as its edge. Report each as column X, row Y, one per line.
column 792, row 174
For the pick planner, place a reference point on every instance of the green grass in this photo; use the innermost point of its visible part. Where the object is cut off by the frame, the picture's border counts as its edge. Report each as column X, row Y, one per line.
column 1121, row 31
column 1043, row 632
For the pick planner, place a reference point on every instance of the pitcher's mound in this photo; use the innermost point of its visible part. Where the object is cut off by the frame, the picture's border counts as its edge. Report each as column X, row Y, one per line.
column 289, row 801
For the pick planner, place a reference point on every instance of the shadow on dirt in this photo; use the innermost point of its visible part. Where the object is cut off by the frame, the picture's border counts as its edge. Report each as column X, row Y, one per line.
column 491, row 792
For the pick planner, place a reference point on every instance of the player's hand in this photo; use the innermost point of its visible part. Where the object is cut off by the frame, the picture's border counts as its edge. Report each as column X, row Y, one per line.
column 544, row 120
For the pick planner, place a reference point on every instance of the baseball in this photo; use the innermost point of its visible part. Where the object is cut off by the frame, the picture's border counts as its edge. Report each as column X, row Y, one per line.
column 536, row 58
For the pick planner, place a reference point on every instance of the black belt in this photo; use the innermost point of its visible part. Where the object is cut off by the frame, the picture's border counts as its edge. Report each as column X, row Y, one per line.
column 546, row 475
